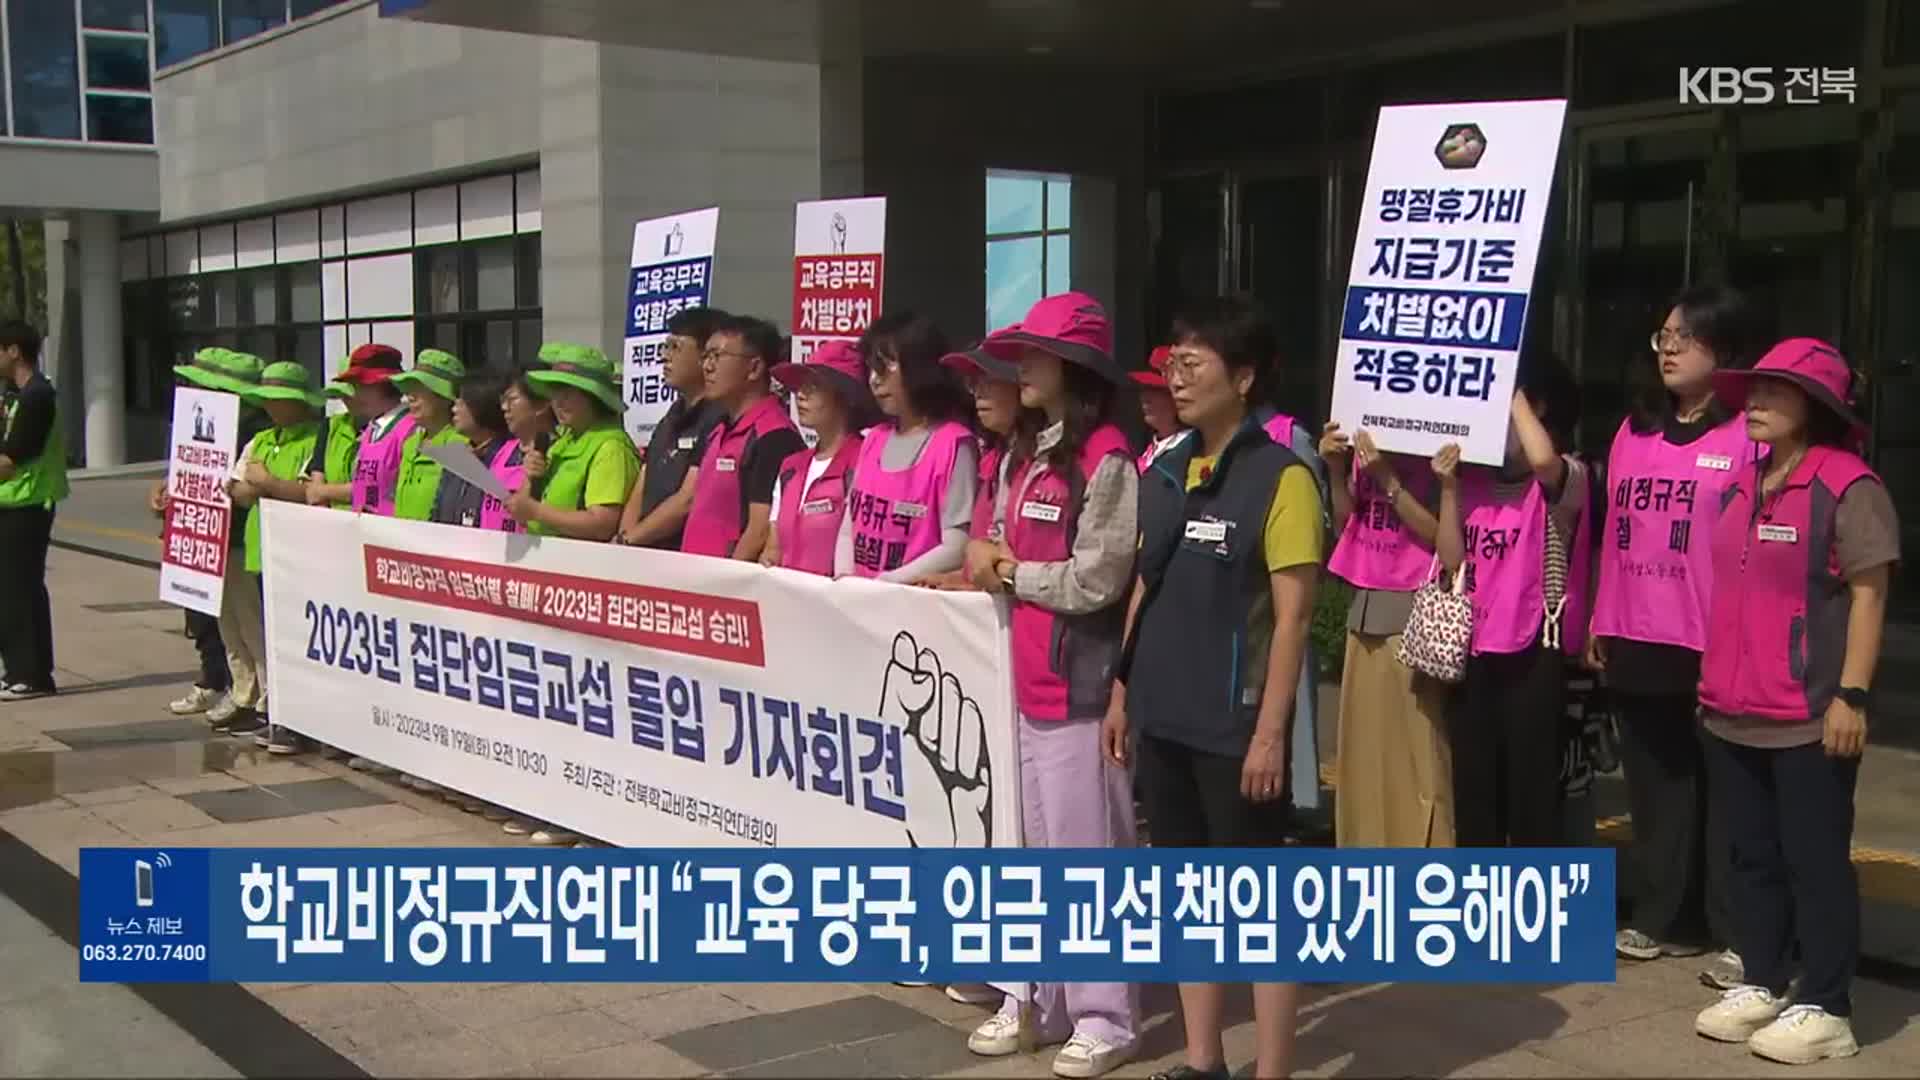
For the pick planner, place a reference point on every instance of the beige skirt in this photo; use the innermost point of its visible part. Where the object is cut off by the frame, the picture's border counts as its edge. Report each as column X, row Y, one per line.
column 1393, row 774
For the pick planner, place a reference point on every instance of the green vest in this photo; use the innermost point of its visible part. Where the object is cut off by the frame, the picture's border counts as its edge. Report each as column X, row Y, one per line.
column 284, row 451
column 343, row 451
column 419, row 478
column 567, row 463
column 42, row 481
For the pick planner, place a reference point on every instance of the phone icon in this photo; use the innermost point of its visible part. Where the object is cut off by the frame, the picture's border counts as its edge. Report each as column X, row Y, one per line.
column 142, row 883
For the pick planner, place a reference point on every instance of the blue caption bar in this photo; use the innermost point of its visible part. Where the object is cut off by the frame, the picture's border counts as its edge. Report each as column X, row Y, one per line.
column 807, row 915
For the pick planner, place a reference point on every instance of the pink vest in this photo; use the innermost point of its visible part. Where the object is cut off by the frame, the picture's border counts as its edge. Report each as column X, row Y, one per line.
column 1280, row 429
column 1377, row 550
column 377, row 471
column 718, row 515
column 986, row 493
column 512, row 476
column 1506, row 573
column 1656, row 558
column 809, row 522
column 1775, row 642
column 896, row 515
column 1054, row 675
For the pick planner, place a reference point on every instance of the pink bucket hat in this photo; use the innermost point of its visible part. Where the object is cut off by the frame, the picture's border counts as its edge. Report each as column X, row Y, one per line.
column 1072, row 326
column 979, row 359
column 1816, row 367
column 838, row 360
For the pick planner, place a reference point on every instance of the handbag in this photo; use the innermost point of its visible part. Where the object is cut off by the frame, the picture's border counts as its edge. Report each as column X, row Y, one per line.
column 1439, row 633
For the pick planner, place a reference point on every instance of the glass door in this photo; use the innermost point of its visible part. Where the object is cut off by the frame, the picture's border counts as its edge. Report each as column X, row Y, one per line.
column 1279, row 255
column 1188, row 230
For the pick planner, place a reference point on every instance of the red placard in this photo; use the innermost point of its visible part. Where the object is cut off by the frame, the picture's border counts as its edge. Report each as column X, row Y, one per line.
column 836, row 296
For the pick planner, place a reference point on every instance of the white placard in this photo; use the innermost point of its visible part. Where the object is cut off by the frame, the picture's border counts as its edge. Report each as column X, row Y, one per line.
column 839, row 269
column 195, row 539
column 1442, row 268
column 716, row 705
column 672, row 270
column 460, row 460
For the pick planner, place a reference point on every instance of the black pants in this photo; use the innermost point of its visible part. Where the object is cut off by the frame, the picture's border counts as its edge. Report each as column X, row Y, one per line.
column 1504, row 726
column 205, row 632
column 1789, row 816
column 26, row 612
column 1679, row 844
column 1192, row 799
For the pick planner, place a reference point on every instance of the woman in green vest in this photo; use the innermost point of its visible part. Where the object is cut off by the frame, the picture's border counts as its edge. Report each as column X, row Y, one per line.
column 339, row 446
column 33, row 479
column 274, row 460
column 430, row 387
column 592, row 466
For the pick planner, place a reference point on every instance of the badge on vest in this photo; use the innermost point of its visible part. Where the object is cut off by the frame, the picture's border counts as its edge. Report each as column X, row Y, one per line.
column 909, row 509
column 685, row 443
column 725, row 464
column 1040, row 511
column 1779, row 534
column 1716, row 462
column 1207, row 531
column 817, row 506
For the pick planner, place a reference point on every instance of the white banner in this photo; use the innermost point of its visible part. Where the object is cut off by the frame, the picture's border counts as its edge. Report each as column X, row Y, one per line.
column 839, row 269
column 1442, row 268
column 195, row 539
column 672, row 271
column 736, row 705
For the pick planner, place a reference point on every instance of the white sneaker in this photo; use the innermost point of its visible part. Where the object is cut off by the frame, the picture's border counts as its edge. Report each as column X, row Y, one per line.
column 198, row 700
column 553, row 837
column 518, row 827
column 912, row 985
column 998, row 1036
column 974, row 994
column 1089, row 1055
column 1739, row 1013
column 223, row 710
column 1724, row 971
column 1803, row 1035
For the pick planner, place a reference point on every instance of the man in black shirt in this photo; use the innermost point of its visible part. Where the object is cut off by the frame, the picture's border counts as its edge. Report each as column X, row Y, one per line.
column 656, row 512
column 33, row 478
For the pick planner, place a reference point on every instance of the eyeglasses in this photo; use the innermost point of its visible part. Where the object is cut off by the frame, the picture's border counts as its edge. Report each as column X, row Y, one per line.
column 715, row 354
column 1186, row 364
column 1665, row 340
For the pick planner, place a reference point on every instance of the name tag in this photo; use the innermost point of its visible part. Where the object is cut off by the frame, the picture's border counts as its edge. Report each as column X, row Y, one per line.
column 685, row 442
column 1040, row 511
column 1779, row 534
column 909, row 509
column 1207, row 532
column 817, row 506
column 725, row 464
column 1716, row 462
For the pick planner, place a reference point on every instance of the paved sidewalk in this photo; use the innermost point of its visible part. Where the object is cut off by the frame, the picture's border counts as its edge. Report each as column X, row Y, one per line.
column 104, row 764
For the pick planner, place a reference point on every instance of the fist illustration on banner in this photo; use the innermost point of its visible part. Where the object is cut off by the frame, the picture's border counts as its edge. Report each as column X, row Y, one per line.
column 949, row 780
column 838, row 232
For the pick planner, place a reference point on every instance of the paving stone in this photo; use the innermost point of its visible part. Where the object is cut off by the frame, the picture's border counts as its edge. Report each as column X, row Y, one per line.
column 172, row 729
column 263, row 803
column 785, row 997
column 755, row 1039
column 626, row 1060
column 381, row 1029
column 463, row 1055
column 116, row 794
column 154, row 817
column 560, row 1035
column 927, row 1050
column 660, row 1015
column 490, row 1009
column 330, row 1003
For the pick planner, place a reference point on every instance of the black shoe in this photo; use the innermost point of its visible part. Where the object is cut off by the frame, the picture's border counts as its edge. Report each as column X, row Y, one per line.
column 1188, row 1072
column 242, row 722
column 283, row 741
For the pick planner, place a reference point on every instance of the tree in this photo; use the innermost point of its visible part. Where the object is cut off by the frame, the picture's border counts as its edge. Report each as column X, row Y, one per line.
column 23, row 272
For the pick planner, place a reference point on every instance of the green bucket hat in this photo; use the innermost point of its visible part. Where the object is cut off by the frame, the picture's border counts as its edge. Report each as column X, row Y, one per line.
column 582, row 367
column 435, row 371
column 339, row 388
column 287, row 380
column 221, row 369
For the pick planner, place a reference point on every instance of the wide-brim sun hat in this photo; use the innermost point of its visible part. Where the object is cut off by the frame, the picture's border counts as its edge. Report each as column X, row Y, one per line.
column 338, row 387
column 435, row 371
column 287, row 380
column 221, row 369
column 1071, row 325
column 1817, row 368
column 582, row 367
column 1155, row 377
column 372, row 364
column 838, row 361
column 978, row 360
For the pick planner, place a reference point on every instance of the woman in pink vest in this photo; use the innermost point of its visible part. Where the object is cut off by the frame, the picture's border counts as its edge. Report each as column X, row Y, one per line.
column 1156, row 407
column 1670, row 464
column 1810, row 537
column 810, row 497
column 995, row 386
column 1520, row 534
column 1067, row 519
column 370, row 370
column 913, row 488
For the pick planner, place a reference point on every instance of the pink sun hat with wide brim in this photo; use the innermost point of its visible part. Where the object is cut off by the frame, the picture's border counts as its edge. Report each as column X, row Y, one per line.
column 838, row 360
column 1814, row 366
column 1071, row 325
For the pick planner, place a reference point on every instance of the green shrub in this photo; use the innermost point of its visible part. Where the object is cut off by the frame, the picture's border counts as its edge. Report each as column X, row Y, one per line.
column 1330, row 603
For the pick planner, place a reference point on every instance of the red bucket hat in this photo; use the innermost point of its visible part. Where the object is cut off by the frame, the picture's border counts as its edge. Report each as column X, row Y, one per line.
column 838, row 360
column 371, row 364
column 1814, row 366
column 1155, row 377
column 1072, row 326
column 979, row 359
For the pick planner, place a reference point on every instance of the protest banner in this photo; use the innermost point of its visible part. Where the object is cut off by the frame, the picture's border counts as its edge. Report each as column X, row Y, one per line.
column 720, row 704
column 1004, row 915
column 1443, row 266
column 839, row 269
column 199, row 519
column 672, row 270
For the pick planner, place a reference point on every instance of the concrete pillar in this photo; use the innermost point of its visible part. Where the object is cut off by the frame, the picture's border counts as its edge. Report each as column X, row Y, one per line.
column 103, row 368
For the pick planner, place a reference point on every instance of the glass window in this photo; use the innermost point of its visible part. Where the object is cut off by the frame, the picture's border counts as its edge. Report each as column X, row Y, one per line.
column 527, row 341
column 303, row 292
column 183, row 29
column 493, row 275
column 221, row 292
column 496, row 351
column 260, row 296
column 46, row 69
column 528, row 272
column 303, row 8
column 117, row 63
column 1014, row 203
column 1059, row 264
column 245, row 18
column 1059, row 204
column 114, row 14
column 437, row 288
column 309, row 347
column 1013, row 278
column 1029, row 243
column 119, row 119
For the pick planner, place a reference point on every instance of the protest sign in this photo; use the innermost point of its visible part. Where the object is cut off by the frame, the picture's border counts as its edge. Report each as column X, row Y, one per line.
column 839, row 269
column 460, row 460
column 672, row 270
column 720, row 704
column 199, row 519
column 1443, row 265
